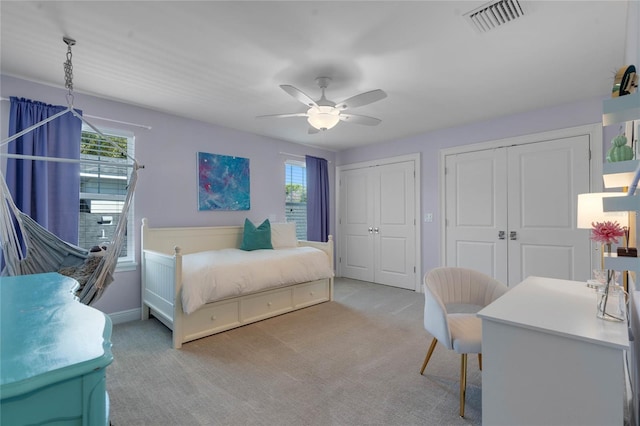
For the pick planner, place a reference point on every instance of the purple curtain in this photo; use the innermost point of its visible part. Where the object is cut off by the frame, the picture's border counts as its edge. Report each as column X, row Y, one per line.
column 47, row 191
column 317, row 199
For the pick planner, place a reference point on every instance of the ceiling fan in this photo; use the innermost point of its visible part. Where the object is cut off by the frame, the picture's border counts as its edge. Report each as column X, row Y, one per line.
column 324, row 114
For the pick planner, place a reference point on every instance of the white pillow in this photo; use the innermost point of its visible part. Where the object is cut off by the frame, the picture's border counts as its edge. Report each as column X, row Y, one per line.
column 283, row 235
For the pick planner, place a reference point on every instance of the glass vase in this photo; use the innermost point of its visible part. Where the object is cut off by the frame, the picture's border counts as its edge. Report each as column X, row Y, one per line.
column 611, row 301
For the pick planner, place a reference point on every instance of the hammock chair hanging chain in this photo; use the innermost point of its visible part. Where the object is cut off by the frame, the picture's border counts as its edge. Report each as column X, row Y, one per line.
column 68, row 70
column 68, row 83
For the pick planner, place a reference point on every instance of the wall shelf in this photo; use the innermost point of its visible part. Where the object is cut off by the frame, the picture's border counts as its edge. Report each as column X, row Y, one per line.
column 620, row 109
column 620, row 263
column 624, row 203
column 619, row 174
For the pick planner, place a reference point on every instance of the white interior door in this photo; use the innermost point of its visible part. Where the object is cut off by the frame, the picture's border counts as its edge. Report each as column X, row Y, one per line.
column 545, row 179
column 394, row 225
column 476, row 211
column 356, row 224
column 378, row 224
column 511, row 211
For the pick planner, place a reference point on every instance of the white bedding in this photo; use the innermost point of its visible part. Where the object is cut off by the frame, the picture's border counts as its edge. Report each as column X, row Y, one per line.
column 218, row 274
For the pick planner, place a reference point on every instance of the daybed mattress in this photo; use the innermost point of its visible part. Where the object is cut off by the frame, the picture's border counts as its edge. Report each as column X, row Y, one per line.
column 214, row 275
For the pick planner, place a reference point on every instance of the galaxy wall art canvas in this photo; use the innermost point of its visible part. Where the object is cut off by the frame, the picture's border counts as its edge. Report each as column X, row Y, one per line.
column 223, row 182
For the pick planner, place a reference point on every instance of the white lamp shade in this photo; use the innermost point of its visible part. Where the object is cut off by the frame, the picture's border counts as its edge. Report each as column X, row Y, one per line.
column 590, row 210
column 323, row 117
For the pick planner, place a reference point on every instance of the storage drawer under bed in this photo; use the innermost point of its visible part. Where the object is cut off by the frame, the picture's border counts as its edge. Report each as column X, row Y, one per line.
column 212, row 318
column 227, row 314
column 311, row 294
column 265, row 305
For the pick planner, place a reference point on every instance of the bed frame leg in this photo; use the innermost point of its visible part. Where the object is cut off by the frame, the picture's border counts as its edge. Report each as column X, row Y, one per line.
column 177, row 344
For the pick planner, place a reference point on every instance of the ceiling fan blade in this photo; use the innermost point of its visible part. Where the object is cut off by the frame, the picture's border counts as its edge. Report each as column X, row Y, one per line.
column 299, row 95
column 360, row 119
column 294, row 114
column 362, row 99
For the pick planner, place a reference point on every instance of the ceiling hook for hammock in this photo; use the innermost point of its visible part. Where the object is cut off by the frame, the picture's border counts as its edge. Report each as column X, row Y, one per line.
column 68, row 70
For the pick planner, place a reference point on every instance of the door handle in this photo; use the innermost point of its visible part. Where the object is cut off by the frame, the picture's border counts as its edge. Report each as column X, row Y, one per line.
column 513, row 235
column 376, row 230
column 371, row 230
column 501, row 235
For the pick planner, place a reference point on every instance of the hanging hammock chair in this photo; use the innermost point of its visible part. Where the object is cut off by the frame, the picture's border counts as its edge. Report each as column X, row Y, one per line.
column 45, row 252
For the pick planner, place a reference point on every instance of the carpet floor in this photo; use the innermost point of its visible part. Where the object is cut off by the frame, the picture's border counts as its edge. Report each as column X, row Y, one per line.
column 352, row 361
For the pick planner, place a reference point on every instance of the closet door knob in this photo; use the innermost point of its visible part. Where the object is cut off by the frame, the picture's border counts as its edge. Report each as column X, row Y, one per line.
column 501, row 235
column 513, row 235
column 376, row 230
column 370, row 229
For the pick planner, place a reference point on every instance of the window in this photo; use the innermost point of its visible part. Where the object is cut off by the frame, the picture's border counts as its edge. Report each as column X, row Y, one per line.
column 104, row 178
column 295, row 185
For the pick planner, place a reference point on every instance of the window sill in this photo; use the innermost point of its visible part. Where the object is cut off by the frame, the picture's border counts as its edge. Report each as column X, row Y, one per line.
column 126, row 265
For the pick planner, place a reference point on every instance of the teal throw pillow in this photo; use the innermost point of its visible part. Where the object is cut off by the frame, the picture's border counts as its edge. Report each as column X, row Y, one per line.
column 256, row 238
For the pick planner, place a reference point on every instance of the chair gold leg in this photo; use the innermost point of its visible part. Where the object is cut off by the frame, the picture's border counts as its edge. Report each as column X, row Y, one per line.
column 463, row 383
column 429, row 352
column 480, row 361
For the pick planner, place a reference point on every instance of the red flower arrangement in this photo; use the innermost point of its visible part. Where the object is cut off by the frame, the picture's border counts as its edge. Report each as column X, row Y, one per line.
column 606, row 232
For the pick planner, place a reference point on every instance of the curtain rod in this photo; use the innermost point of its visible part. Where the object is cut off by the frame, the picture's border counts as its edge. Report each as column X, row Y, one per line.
column 75, row 114
column 296, row 155
column 64, row 160
column 292, row 155
column 107, row 119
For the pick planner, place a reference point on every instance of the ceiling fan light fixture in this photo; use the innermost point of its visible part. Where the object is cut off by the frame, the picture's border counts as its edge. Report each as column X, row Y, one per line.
column 325, row 114
column 323, row 117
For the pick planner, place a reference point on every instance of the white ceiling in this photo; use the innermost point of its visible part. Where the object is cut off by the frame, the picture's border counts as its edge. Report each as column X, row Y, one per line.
column 222, row 62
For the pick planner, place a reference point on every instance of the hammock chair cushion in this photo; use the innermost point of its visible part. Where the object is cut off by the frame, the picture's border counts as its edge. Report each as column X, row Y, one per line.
column 82, row 272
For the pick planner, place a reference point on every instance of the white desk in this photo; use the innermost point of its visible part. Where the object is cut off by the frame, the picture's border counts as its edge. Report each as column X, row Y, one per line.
column 548, row 360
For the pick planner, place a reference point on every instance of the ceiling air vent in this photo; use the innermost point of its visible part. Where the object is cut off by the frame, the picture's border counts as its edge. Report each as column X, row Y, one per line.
column 494, row 14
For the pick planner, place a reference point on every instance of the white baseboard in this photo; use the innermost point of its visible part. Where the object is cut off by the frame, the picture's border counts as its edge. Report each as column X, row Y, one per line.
column 125, row 316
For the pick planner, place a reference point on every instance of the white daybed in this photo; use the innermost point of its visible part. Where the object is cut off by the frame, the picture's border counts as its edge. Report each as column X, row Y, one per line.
column 162, row 264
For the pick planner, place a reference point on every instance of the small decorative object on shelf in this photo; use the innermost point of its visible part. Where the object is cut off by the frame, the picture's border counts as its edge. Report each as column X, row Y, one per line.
column 619, row 150
column 627, row 251
column 626, row 81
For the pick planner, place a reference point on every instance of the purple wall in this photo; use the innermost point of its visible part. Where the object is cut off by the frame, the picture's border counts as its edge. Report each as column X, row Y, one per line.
column 166, row 192
column 430, row 144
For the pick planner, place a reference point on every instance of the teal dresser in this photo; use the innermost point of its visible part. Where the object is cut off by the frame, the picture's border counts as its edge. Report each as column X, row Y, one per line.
column 53, row 354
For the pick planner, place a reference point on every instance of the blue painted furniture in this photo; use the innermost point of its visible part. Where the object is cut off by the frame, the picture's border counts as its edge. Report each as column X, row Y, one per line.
column 53, row 354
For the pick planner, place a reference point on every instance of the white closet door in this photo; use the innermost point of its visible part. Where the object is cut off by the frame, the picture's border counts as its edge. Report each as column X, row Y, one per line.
column 511, row 212
column 544, row 180
column 394, row 225
column 378, row 224
column 356, row 224
column 476, row 211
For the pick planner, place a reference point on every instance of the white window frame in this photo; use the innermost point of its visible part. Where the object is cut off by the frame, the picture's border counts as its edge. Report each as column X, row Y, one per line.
column 303, row 165
column 128, row 262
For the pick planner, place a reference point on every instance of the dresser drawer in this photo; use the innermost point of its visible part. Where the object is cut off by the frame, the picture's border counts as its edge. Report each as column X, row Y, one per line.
column 77, row 401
